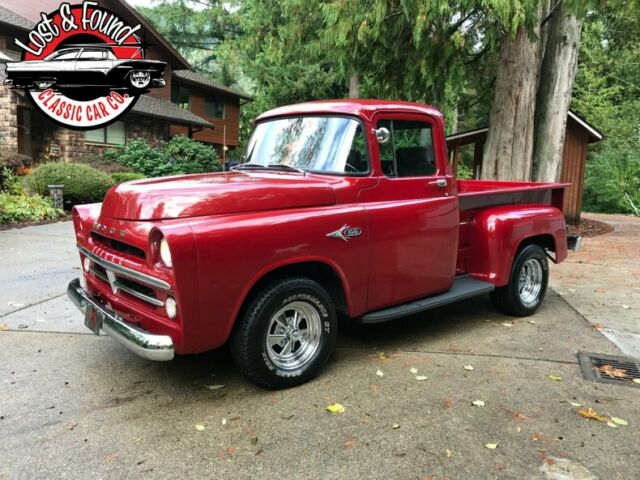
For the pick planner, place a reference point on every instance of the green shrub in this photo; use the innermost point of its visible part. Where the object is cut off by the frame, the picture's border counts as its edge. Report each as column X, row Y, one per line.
column 464, row 172
column 82, row 183
column 121, row 177
column 612, row 182
column 25, row 208
column 10, row 183
column 180, row 155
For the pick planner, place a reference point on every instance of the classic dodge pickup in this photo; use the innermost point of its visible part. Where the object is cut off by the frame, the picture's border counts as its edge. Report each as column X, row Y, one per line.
column 341, row 209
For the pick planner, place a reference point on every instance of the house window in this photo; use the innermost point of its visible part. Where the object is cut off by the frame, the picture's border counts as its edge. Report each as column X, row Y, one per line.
column 114, row 134
column 214, row 107
column 181, row 96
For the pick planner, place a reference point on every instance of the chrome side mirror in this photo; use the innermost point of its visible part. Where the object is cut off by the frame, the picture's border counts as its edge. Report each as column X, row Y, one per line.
column 382, row 134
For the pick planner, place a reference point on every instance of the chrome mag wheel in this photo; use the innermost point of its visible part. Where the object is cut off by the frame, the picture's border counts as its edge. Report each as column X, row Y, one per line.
column 140, row 79
column 293, row 336
column 530, row 282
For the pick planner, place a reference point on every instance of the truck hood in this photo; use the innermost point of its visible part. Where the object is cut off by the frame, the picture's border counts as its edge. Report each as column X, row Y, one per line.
column 214, row 194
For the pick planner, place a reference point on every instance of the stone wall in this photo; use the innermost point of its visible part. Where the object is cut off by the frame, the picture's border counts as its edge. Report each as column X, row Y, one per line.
column 8, row 121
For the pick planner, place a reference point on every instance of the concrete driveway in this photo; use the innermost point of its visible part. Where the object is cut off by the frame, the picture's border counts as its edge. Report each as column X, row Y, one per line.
column 76, row 405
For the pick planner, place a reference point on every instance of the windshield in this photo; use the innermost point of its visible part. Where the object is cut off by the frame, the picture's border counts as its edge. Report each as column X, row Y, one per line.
column 322, row 144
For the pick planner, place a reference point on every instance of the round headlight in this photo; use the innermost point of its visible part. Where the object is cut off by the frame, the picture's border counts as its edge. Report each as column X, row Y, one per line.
column 86, row 264
column 171, row 307
column 165, row 253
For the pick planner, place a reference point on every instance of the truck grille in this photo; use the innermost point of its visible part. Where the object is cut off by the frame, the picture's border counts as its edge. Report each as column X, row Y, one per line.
column 117, row 245
column 123, row 279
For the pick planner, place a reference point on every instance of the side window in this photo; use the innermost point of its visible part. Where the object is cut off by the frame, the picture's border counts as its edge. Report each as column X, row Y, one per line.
column 410, row 151
column 358, row 160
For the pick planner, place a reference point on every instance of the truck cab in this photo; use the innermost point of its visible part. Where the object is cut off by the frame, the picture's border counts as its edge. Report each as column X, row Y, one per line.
column 341, row 209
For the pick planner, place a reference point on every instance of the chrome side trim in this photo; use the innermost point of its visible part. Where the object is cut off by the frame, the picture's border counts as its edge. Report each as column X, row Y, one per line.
column 126, row 272
column 142, row 343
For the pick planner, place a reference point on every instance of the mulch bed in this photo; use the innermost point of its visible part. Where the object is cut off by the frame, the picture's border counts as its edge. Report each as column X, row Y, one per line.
column 590, row 228
column 11, row 226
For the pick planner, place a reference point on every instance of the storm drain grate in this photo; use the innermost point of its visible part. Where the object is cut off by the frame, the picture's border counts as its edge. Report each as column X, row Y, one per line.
column 610, row 369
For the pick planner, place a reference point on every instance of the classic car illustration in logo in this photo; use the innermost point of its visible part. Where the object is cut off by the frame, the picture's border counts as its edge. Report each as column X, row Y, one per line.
column 83, row 66
column 86, row 67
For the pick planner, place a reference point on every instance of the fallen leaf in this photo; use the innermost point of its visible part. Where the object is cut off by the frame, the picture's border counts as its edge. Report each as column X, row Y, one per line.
column 574, row 404
column 379, row 373
column 395, row 426
column 413, row 370
column 590, row 413
column 348, row 443
column 214, row 387
column 449, row 453
column 478, row 403
column 421, row 377
column 384, row 356
column 224, row 421
column 555, row 378
column 626, row 307
column 507, row 324
column 200, row 428
column 491, row 446
column 518, row 429
column 521, row 416
column 572, row 290
column 532, row 322
column 636, row 380
column 612, row 425
column 231, row 450
column 597, row 326
column 335, row 408
column 535, row 436
column 4, row 327
column 619, row 421
column 468, row 367
column 613, row 372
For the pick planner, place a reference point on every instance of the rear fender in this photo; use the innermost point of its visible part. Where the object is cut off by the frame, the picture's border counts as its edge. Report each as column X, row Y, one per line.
column 498, row 232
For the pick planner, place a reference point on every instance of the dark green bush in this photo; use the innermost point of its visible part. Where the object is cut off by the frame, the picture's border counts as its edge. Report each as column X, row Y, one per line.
column 25, row 208
column 180, row 155
column 82, row 183
column 612, row 183
column 121, row 177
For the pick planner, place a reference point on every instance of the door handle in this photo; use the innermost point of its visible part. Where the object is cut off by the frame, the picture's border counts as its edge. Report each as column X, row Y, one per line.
column 440, row 182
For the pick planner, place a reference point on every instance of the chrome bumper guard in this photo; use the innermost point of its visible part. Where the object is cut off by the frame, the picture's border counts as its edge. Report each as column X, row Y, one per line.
column 140, row 342
column 574, row 242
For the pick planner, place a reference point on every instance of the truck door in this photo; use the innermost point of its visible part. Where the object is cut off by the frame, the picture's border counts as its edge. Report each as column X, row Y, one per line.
column 412, row 212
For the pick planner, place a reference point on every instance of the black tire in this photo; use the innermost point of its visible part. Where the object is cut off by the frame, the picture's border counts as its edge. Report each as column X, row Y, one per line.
column 249, row 340
column 508, row 298
column 139, row 87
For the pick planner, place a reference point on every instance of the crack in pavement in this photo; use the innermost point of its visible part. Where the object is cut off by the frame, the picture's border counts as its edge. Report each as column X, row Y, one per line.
column 31, row 305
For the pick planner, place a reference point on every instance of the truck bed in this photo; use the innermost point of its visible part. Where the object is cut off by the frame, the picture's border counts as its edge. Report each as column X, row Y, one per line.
column 475, row 194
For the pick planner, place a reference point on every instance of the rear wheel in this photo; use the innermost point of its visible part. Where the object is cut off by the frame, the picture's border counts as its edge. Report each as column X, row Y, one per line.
column 139, row 80
column 527, row 284
column 286, row 334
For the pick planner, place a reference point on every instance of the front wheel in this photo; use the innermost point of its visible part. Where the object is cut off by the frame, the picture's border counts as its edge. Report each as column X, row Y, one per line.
column 527, row 284
column 286, row 334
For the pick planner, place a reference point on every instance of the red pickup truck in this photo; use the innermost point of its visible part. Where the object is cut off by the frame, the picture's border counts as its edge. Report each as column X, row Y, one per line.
column 341, row 209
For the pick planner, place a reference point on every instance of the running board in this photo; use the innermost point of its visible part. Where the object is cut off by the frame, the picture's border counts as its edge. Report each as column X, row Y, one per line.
column 463, row 287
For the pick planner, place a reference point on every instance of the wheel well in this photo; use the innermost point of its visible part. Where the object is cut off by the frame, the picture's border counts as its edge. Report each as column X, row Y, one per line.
column 545, row 241
column 318, row 271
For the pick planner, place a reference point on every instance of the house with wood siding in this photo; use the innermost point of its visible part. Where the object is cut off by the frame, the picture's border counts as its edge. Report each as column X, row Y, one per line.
column 579, row 135
column 190, row 104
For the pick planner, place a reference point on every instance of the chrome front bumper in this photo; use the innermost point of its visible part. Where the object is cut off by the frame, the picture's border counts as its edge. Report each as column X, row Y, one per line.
column 140, row 342
column 574, row 242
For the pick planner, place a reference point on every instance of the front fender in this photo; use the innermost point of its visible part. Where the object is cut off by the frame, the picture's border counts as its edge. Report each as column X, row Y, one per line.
column 498, row 232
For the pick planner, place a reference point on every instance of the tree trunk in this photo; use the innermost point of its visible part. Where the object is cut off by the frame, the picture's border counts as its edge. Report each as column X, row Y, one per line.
column 354, row 86
column 554, row 94
column 508, row 150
